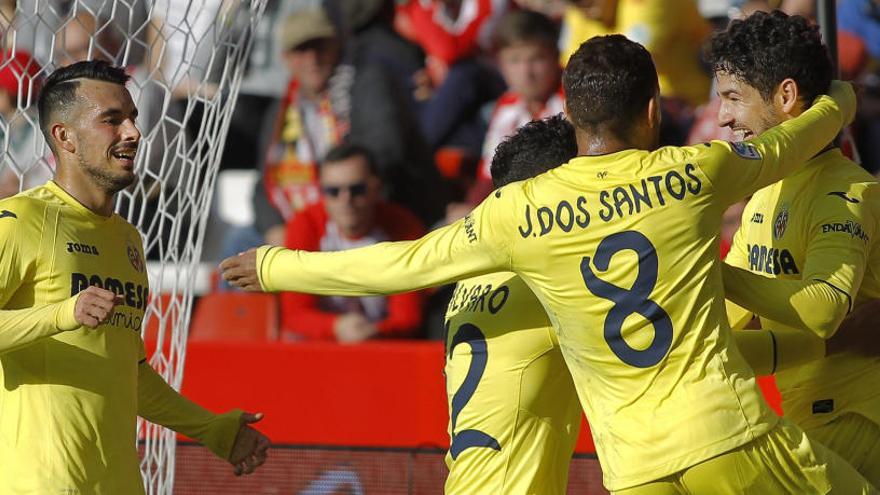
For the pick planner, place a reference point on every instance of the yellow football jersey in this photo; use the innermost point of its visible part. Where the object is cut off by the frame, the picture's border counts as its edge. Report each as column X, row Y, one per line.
column 71, row 394
column 622, row 252
column 820, row 223
column 69, row 402
column 514, row 412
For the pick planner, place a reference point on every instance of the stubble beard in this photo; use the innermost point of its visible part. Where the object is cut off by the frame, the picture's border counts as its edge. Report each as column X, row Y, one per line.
column 104, row 179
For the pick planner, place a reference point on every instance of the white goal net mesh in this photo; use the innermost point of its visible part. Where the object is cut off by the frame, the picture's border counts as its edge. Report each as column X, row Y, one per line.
column 186, row 59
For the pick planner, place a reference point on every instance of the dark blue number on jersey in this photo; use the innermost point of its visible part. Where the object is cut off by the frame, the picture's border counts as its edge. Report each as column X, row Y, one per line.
column 632, row 301
column 471, row 335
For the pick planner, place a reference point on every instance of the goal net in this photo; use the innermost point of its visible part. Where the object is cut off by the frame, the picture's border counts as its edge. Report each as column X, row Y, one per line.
column 186, row 59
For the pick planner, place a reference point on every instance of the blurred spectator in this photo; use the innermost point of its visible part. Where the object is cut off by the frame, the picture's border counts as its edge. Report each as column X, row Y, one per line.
column 351, row 215
column 19, row 85
column 859, row 44
column 527, row 54
column 456, row 83
column 328, row 101
column 83, row 32
column 553, row 9
column 672, row 30
column 861, row 18
column 373, row 41
column 262, row 85
column 7, row 15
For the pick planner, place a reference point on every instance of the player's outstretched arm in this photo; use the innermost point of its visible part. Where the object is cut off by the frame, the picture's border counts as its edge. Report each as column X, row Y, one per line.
column 472, row 246
column 739, row 169
column 229, row 435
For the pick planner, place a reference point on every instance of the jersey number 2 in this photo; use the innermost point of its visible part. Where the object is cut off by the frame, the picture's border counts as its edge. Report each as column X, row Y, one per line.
column 630, row 301
column 471, row 335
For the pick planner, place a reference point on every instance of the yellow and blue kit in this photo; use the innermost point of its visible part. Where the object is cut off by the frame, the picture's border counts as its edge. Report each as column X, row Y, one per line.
column 71, row 395
column 514, row 412
column 622, row 251
column 808, row 244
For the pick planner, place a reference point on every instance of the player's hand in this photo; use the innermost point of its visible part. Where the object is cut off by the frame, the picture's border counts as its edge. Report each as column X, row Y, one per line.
column 351, row 328
column 241, row 271
column 858, row 332
column 250, row 448
column 94, row 306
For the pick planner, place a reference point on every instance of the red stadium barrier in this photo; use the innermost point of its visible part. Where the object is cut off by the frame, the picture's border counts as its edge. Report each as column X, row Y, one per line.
column 377, row 394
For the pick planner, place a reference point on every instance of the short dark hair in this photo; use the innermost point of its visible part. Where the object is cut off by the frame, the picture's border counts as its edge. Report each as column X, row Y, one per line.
column 535, row 148
column 347, row 150
column 59, row 90
column 525, row 26
column 608, row 83
column 764, row 49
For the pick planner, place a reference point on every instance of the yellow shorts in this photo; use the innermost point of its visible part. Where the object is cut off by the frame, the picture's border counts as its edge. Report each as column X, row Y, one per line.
column 782, row 462
column 856, row 439
column 515, row 410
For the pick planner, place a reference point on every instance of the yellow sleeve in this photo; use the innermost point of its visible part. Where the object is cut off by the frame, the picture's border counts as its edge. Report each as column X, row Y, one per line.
column 737, row 170
column 20, row 327
column 476, row 245
column 806, row 304
column 160, row 404
column 769, row 351
column 843, row 225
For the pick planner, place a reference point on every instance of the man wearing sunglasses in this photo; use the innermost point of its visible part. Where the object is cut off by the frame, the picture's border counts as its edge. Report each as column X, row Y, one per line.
column 351, row 214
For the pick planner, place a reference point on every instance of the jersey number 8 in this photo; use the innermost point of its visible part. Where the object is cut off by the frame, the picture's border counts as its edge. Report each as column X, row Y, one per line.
column 630, row 301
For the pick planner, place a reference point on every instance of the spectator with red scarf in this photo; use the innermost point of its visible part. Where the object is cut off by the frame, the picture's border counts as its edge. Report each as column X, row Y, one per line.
column 330, row 99
column 352, row 214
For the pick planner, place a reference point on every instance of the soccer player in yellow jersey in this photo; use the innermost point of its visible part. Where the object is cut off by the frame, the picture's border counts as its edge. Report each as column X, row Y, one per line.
column 812, row 237
column 514, row 412
column 620, row 245
column 74, row 291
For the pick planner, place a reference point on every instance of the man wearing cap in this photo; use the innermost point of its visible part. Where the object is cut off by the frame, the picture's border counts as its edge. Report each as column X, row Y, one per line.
column 330, row 101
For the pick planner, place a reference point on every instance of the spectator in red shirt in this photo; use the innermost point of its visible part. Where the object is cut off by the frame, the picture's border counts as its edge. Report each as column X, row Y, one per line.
column 352, row 214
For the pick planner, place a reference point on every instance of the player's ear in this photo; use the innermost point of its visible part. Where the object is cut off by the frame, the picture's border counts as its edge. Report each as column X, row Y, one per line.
column 63, row 137
column 654, row 111
column 786, row 96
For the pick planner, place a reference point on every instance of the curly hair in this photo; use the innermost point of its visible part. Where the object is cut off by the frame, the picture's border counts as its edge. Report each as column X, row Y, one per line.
column 534, row 149
column 764, row 49
column 608, row 83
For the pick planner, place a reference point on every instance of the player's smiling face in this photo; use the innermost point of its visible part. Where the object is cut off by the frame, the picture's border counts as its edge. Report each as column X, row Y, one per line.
column 743, row 108
column 107, row 137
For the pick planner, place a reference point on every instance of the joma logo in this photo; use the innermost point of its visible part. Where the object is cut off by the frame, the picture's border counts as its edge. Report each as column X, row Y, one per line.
column 76, row 247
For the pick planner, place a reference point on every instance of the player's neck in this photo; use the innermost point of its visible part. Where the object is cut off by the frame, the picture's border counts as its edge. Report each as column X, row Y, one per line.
column 85, row 192
column 602, row 143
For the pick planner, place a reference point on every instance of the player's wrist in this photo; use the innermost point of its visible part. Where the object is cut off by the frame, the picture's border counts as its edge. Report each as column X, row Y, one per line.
column 65, row 315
